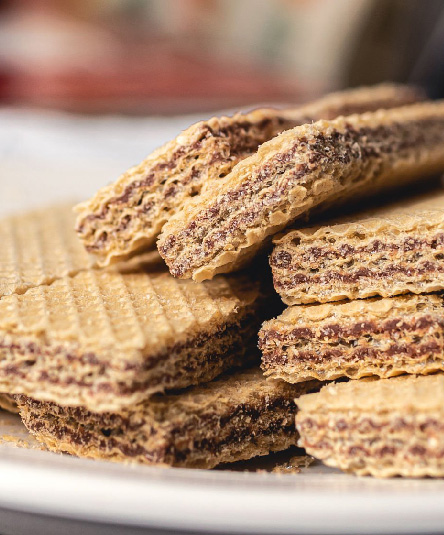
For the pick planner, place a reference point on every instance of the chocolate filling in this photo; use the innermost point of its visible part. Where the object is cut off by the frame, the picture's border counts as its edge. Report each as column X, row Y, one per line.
column 283, row 259
column 92, row 431
column 367, row 425
column 334, row 331
column 320, row 356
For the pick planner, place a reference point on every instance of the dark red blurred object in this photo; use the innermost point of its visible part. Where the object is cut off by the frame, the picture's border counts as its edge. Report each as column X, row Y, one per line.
column 60, row 61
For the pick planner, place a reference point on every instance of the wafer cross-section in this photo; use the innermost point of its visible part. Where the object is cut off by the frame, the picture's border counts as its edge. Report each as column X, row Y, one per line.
column 383, row 337
column 390, row 251
column 387, row 427
column 107, row 339
column 232, row 418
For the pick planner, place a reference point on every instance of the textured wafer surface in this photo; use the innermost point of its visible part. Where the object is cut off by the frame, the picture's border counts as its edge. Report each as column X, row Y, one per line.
column 312, row 166
column 127, row 216
column 7, row 403
column 390, row 251
column 106, row 339
column 384, row 427
column 383, row 337
column 41, row 246
column 234, row 418
column 38, row 247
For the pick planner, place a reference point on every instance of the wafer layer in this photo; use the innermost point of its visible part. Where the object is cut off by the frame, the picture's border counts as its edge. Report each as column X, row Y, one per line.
column 127, row 216
column 8, row 403
column 314, row 165
column 41, row 246
column 106, row 340
column 383, row 428
column 38, row 247
column 390, row 251
column 230, row 419
column 383, row 337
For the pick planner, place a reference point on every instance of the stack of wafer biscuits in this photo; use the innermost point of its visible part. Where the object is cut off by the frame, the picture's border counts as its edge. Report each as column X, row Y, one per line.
column 374, row 286
column 109, row 356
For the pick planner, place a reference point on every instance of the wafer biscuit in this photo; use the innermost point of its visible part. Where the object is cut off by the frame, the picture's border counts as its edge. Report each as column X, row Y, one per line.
column 127, row 216
column 384, row 427
column 382, row 337
column 106, row 340
column 387, row 252
column 230, row 419
column 314, row 165
column 38, row 247
column 7, row 403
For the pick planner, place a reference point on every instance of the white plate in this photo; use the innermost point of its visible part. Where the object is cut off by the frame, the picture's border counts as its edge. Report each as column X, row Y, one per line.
column 317, row 500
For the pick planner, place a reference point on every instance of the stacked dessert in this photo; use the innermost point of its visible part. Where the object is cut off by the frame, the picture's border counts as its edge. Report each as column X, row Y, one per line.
column 110, row 356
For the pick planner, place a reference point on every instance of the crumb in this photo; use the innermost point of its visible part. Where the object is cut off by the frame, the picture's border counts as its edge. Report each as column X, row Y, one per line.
column 294, row 465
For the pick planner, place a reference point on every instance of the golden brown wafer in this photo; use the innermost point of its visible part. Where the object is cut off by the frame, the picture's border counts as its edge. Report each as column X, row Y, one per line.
column 384, row 428
column 38, row 247
column 383, row 337
column 127, row 216
column 233, row 418
column 390, row 251
column 311, row 166
column 107, row 340
column 7, row 403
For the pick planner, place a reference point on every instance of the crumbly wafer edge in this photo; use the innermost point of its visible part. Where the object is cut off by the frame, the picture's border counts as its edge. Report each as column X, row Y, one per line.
column 233, row 418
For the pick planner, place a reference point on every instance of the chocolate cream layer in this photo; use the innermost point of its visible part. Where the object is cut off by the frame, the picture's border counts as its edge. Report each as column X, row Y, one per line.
column 316, row 165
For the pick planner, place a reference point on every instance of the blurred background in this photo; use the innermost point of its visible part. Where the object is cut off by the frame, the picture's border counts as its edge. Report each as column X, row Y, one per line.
column 175, row 56
column 92, row 86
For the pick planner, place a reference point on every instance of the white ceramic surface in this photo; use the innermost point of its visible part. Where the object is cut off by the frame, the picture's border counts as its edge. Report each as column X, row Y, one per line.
column 318, row 500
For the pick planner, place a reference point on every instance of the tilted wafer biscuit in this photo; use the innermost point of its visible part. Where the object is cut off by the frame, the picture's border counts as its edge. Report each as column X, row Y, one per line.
column 8, row 403
column 38, row 247
column 233, row 418
column 384, row 427
column 127, row 216
column 314, row 165
column 106, row 340
column 383, row 337
column 387, row 252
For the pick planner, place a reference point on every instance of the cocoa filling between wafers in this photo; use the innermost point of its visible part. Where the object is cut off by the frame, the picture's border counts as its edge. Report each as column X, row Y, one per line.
column 94, row 430
column 283, row 259
column 367, row 425
column 362, row 273
column 349, row 354
column 342, row 148
column 361, row 327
